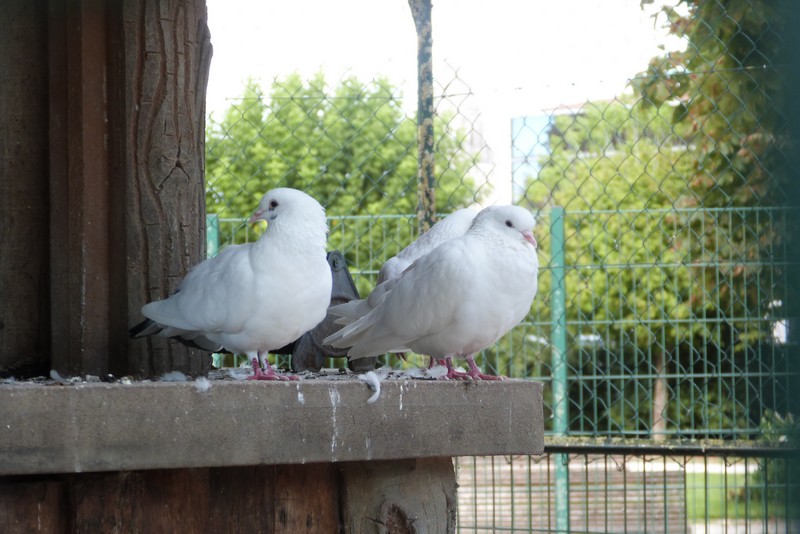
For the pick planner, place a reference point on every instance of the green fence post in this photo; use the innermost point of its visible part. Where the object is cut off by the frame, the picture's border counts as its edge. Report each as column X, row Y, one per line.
column 212, row 235
column 212, row 247
column 558, row 348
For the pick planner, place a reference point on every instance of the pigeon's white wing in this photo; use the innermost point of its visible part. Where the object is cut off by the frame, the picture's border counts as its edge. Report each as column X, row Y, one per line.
column 451, row 227
column 454, row 225
column 422, row 302
column 355, row 309
column 212, row 298
column 392, row 268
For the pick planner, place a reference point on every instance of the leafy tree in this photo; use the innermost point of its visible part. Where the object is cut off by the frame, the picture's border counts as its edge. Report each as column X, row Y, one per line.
column 352, row 147
column 728, row 90
column 727, row 93
column 685, row 288
column 616, row 167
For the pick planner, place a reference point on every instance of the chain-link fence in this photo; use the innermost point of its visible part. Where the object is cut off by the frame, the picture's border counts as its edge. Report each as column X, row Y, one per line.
column 663, row 326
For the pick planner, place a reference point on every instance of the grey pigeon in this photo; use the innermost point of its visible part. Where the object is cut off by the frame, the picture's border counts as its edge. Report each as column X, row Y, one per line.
column 308, row 353
column 256, row 297
column 456, row 300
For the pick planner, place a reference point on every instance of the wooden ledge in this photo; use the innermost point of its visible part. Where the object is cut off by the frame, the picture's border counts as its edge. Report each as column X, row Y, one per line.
column 110, row 427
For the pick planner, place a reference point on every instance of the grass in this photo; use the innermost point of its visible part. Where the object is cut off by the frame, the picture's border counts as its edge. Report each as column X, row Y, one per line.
column 733, row 496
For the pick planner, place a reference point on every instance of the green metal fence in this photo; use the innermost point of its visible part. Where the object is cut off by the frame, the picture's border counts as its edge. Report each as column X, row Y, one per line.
column 665, row 324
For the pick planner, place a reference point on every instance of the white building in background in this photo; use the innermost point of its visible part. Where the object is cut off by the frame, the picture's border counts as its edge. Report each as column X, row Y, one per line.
column 530, row 142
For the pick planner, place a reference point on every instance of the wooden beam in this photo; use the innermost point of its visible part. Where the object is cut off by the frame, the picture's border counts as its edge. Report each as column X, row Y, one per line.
column 400, row 496
column 33, row 505
column 79, row 244
column 105, row 427
column 403, row 496
column 24, row 307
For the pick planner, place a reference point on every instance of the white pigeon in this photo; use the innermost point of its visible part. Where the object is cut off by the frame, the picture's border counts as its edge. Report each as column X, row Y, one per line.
column 456, row 300
column 256, row 297
column 452, row 226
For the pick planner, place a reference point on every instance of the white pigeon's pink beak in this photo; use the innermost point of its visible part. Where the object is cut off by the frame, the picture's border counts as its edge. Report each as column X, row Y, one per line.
column 528, row 235
column 257, row 216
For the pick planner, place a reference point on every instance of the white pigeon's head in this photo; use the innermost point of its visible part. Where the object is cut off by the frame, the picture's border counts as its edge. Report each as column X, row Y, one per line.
column 290, row 206
column 513, row 221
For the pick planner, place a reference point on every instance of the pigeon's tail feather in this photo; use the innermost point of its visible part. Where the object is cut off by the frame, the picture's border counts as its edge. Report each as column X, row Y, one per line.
column 374, row 346
column 349, row 311
column 363, row 341
column 200, row 342
column 148, row 327
column 346, row 336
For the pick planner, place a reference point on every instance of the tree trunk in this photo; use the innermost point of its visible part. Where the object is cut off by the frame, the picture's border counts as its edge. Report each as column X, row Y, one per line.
column 657, row 432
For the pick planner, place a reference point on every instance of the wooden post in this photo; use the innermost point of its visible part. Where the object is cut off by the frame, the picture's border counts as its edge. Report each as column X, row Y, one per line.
column 24, row 307
column 160, row 56
column 400, row 497
column 79, row 207
column 126, row 195
column 426, row 204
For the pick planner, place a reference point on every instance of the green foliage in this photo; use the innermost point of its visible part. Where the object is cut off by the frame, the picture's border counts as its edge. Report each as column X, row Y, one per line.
column 727, row 92
column 668, row 286
column 351, row 146
column 726, row 87
column 776, row 481
column 616, row 167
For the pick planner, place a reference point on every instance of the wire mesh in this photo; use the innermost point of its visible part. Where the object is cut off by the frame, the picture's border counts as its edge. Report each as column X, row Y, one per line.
column 619, row 492
column 668, row 210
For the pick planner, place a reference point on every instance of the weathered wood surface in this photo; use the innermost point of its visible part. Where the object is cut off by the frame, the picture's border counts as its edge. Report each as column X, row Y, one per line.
column 206, row 500
column 106, row 427
column 306, row 498
column 410, row 496
column 79, row 187
column 24, row 307
column 401, row 497
column 160, row 58
column 102, row 118
column 32, row 505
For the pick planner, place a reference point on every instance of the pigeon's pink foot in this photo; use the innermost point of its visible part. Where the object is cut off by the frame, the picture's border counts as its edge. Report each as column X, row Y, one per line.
column 476, row 373
column 268, row 374
column 452, row 374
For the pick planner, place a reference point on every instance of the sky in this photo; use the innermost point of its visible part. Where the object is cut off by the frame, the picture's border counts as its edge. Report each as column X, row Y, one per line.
column 518, row 57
